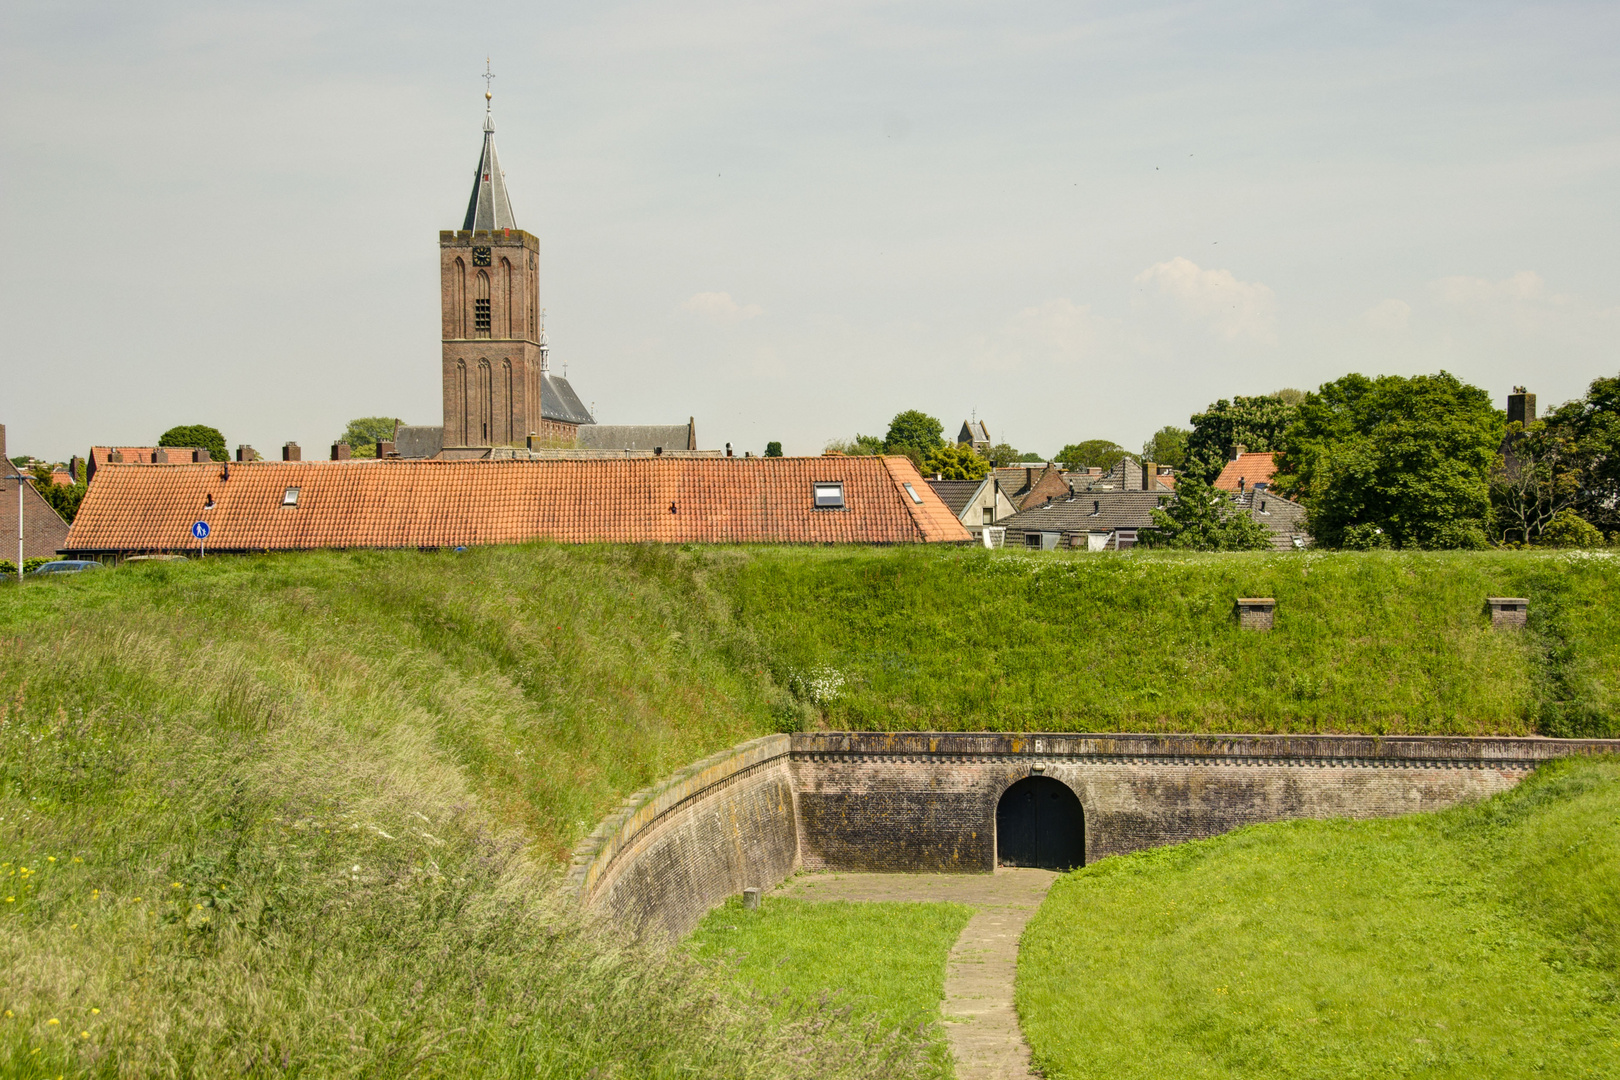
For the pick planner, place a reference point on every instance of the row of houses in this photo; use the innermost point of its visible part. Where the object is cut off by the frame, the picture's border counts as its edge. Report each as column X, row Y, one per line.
column 1045, row 508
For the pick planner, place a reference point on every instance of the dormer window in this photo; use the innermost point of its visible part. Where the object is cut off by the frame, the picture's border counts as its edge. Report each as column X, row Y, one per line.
column 830, row 496
column 289, row 497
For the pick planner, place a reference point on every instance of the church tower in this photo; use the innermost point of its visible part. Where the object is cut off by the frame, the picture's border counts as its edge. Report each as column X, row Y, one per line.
column 497, row 391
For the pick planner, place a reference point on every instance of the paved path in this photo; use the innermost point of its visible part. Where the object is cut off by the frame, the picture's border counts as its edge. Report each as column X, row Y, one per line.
column 980, row 1022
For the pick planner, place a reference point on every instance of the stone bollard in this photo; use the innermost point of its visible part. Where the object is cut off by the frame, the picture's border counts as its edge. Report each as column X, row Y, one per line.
column 750, row 899
column 1255, row 612
column 1508, row 611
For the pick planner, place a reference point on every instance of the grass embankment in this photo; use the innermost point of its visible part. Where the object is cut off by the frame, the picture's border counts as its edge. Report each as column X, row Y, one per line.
column 209, row 750
column 302, row 816
column 1364, row 642
column 885, row 961
column 1483, row 941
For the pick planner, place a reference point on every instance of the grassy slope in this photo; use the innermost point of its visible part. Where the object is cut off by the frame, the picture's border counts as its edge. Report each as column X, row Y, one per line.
column 883, row 959
column 240, row 734
column 1399, row 642
column 1479, row 942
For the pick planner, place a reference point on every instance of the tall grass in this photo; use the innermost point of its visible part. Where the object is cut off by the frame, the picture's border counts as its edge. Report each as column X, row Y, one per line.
column 267, row 817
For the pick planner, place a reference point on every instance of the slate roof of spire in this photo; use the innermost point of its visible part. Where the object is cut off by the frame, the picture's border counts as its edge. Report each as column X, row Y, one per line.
column 559, row 402
column 489, row 208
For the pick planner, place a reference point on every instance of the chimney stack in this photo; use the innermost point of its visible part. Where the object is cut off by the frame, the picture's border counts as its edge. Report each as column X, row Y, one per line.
column 115, row 457
column 1521, row 407
column 385, row 448
column 340, row 451
column 1150, row 475
column 290, row 452
column 201, row 455
column 1238, row 451
column 244, row 452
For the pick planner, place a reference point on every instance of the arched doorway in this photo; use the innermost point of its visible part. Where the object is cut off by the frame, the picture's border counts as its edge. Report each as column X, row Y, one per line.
column 1039, row 822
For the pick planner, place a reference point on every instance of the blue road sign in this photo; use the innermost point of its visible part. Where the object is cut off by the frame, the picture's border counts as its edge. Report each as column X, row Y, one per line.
column 200, row 530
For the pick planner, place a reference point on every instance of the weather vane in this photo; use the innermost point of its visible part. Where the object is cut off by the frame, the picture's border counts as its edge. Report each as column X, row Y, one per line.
column 487, row 76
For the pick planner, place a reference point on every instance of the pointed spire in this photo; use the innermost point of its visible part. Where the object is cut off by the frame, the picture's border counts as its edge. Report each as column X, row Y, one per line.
column 545, row 346
column 489, row 208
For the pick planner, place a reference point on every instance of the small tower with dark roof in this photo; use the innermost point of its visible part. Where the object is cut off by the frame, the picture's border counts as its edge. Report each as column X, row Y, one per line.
column 497, row 391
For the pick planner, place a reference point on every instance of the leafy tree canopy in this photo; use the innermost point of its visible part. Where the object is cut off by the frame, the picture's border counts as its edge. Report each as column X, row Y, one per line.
column 1168, row 446
column 1590, row 426
column 1093, row 453
column 200, row 435
column 773, row 449
column 913, row 430
column 859, row 446
column 1411, row 457
column 365, row 432
column 1004, row 454
column 1203, row 519
column 1031, row 456
column 1255, row 423
column 956, row 462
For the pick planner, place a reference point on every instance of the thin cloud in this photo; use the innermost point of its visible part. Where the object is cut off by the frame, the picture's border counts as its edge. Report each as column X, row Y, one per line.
column 720, row 308
column 1388, row 315
column 1231, row 308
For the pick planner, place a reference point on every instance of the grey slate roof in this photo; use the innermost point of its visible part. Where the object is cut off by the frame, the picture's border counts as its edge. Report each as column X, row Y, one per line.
column 955, row 493
column 1090, row 511
column 489, row 208
column 646, row 437
column 418, row 440
column 1284, row 517
column 559, row 402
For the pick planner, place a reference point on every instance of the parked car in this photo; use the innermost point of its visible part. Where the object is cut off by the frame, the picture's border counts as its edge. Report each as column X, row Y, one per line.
column 65, row 566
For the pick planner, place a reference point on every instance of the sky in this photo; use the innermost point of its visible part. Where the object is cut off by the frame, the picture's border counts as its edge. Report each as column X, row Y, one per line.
column 792, row 220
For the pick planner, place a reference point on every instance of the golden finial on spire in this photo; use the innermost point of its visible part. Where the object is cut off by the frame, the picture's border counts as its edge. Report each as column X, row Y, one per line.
column 487, row 76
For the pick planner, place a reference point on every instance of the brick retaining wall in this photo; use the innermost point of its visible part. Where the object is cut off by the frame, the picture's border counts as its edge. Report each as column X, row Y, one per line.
column 922, row 801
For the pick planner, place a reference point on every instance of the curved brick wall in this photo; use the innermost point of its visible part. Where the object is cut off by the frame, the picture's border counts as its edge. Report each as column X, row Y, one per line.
column 673, row 851
column 923, row 801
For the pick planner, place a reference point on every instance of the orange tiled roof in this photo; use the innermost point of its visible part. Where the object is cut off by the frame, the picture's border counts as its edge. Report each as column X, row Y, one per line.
column 162, row 455
column 1252, row 468
column 426, row 503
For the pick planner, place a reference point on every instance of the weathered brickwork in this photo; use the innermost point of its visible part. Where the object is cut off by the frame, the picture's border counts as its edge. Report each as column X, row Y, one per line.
column 1256, row 613
column 674, row 851
column 1508, row 612
column 919, row 801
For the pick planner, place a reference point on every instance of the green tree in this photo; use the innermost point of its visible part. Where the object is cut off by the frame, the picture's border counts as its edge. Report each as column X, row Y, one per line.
column 913, row 430
column 1093, row 453
column 1569, row 529
column 1536, row 479
column 364, row 433
column 956, row 462
column 859, row 446
column 63, row 498
column 1029, row 456
column 199, row 435
column 1409, row 456
column 1255, row 423
column 1199, row 518
column 1592, row 426
column 1168, row 446
column 773, row 449
column 1003, row 454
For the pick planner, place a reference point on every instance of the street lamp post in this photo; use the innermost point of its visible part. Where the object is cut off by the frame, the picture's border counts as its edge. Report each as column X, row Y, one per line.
column 21, row 478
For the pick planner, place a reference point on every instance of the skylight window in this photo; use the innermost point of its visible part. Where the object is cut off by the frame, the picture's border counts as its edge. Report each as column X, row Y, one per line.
column 289, row 497
column 830, row 496
column 916, row 498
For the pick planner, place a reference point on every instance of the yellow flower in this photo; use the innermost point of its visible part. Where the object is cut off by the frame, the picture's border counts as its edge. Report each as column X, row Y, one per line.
column 50, row 858
column 9, row 1014
column 84, row 1034
column 94, row 893
column 96, row 1012
column 176, row 885
column 75, row 926
column 136, row 900
column 77, row 859
column 11, row 899
column 52, row 1022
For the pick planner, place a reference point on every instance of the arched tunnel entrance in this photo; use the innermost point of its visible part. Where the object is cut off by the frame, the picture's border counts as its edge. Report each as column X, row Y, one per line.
column 1039, row 823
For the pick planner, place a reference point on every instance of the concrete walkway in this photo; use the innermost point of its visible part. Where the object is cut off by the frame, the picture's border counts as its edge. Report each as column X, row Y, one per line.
column 980, row 1021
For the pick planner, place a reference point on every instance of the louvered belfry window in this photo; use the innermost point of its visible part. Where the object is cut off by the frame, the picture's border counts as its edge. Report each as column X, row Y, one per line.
column 481, row 316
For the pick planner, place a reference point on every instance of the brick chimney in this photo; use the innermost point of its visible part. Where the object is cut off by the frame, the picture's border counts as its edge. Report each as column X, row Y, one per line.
column 1521, row 407
column 115, row 456
column 1150, row 475
column 3, row 446
column 1238, row 451
column 385, row 449
column 244, row 452
column 201, row 454
column 340, row 451
column 290, row 452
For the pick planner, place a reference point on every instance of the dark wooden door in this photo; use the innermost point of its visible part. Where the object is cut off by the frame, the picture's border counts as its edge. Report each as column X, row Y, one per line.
column 1039, row 822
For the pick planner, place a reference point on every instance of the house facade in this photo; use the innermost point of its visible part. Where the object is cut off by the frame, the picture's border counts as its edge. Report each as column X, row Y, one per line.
column 1086, row 521
column 976, row 503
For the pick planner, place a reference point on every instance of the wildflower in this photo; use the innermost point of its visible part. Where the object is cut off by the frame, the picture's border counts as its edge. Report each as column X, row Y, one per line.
column 136, row 900
column 11, row 899
column 95, row 893
column 84, row 1034
column 95, row 1012
column 9, row 1014
column 77, row 859
column 50, row 858
column 53, row 1022
column 176, row 885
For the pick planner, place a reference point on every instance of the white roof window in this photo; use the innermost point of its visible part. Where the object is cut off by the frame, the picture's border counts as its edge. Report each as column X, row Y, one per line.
column 916, row 498
column 829, row 496
column 289, row 497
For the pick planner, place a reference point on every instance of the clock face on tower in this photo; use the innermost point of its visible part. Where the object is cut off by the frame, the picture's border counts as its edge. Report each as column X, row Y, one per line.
column 480, row 256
